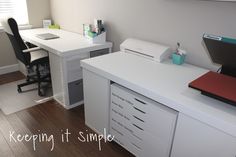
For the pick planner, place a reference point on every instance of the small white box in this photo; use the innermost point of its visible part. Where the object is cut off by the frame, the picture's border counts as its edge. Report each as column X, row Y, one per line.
column 47, row 23
column 100, row 39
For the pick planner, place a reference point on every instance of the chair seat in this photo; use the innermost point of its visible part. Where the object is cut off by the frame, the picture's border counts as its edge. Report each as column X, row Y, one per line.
column 38, row 54
column 38, row 57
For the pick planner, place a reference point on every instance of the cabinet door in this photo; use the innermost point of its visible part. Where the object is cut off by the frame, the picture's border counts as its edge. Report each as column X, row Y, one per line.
column 96, row 101
column 196, row 139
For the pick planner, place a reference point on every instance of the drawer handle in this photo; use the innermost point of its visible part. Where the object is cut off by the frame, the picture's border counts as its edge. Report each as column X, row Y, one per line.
column 137, row 137
column 138, row 118
column 139, row 110
column 136, row 146
column 138, row 127
column 117, row 131
column 140, row 101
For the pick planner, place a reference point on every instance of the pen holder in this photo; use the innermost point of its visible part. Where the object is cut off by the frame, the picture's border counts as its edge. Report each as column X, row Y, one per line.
column 178, row 59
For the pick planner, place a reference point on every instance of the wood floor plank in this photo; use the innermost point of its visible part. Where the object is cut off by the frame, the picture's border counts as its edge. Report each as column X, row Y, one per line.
column 11, row 77
column 50, row 118
column 37, row 123
column 5, row 149
column 18, row 148
column 75, row 122
column 44, row 124
column 20, row 128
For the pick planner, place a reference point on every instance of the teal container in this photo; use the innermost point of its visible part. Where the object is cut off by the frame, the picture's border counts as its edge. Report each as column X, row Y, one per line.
column 178, row 59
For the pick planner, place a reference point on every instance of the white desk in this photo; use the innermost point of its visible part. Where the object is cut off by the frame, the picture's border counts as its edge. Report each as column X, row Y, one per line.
column 65, row 54
column 167, row 84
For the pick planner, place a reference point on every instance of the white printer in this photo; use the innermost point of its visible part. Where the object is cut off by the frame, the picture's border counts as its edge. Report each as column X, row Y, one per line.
column 152, row 51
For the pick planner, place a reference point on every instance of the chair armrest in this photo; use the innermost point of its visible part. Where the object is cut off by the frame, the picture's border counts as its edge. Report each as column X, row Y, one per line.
column 31, row 49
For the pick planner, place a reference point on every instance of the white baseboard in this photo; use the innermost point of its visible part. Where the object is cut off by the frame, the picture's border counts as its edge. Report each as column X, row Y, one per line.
column 9, row 69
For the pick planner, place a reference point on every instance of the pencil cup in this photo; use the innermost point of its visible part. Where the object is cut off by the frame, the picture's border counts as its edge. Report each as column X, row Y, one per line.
column 178, row 59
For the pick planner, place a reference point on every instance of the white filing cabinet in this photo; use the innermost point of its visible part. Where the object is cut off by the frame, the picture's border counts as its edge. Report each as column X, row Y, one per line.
column 196, row 139
column 67, row 77
column 142, row 126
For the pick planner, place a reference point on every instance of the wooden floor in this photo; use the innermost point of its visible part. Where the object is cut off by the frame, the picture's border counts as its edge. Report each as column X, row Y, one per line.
column 11, row 77
column 51, row 118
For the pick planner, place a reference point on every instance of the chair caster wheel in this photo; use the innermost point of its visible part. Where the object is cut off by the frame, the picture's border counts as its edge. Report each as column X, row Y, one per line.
column 19, row 90
column 40, row 93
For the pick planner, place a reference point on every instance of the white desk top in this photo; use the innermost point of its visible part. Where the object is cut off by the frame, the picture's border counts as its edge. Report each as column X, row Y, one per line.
column 67, row 44
column 165, row 83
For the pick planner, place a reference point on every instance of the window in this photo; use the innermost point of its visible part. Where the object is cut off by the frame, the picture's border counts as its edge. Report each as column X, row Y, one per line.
column 16, row 9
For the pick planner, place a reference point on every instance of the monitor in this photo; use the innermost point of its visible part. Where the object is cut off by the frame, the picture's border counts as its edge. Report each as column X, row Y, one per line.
column 222, row 51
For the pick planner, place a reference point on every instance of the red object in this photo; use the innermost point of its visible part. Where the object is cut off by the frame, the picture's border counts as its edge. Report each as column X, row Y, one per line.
column 217, row 85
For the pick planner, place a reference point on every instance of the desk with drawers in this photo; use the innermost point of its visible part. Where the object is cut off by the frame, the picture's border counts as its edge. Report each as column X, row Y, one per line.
column 150, row 109
column 65, row 54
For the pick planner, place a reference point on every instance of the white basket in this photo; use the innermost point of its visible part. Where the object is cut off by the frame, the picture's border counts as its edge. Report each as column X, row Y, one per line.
column 100, row 39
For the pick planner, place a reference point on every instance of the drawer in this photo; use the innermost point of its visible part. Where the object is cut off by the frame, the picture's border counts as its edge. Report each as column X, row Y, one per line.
column 75, row 90
column 125, row 139
column 127, row 127
column 120, row 116
column 134, row 148
column 99, row 52
column 119, row 134
column 123, row 124
column 120, row 100
column 151, row 125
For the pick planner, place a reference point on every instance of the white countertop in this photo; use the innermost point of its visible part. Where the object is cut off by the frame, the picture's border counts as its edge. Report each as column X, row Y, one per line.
column 165, row 83
column 68, row 41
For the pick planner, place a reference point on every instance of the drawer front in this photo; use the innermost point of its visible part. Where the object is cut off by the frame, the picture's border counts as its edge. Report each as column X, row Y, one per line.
column 75, row 91
column 99, row 52
column 149, row 127
column 125, row 138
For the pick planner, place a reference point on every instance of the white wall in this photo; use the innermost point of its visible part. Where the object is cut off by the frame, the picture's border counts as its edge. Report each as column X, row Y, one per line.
column 37, row 10
column 163, row 21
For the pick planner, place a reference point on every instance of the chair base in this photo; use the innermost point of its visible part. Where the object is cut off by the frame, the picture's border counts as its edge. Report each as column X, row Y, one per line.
column 32, row 80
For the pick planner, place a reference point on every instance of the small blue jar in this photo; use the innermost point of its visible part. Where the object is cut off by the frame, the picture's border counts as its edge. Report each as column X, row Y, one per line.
column 178, row 59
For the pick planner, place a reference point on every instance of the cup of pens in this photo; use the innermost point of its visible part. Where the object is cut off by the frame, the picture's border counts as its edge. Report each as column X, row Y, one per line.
column 178, row 57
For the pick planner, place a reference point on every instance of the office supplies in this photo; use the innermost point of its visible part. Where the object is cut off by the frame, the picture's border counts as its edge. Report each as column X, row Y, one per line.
column 95, row 33
column 47, row 36
column 55, row 26
column 178, row 59
column 178, row 56
column 153, row 51
column 98, row 26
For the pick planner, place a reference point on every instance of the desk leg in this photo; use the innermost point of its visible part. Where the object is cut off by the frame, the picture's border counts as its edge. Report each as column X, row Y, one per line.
column 57, row 78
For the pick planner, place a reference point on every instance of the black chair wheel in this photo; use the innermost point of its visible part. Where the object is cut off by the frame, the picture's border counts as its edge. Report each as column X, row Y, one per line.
column 19, row 90
column 41, row 93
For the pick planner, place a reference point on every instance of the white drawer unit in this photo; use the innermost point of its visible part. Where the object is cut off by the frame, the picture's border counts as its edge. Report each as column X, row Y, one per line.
column 142, row 126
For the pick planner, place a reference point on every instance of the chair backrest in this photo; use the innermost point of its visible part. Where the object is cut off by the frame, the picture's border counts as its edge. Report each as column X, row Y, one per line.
column 11, row 28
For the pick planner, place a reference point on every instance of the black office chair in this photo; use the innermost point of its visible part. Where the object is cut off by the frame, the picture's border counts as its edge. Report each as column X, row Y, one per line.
column 35, row 59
